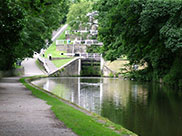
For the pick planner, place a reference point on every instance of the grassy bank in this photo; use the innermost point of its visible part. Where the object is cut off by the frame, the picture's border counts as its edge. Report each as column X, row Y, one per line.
column 80, row 123
column 52, row 50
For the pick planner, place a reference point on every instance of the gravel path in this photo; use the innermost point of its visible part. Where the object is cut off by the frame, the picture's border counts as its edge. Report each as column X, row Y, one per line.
column 22, row 114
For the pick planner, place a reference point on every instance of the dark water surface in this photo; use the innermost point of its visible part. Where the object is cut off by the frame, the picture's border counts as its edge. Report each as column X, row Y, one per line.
column 146, row 109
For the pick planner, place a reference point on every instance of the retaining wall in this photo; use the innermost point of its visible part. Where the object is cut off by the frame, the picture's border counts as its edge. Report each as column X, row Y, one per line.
column 72, row 68
column 14, row 72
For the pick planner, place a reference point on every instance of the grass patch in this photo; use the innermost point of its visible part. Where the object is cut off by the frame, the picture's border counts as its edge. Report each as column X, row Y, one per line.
column 63, row 36
column 52, row 50
column 61, row 62
column 17, row 66
column 79, row 122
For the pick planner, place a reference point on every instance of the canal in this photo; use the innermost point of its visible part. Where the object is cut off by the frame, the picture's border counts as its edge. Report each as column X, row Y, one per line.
column 147, row 109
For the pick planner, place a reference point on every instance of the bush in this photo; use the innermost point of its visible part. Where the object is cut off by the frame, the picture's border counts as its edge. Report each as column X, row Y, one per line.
column 111, row 74
column 174, row 76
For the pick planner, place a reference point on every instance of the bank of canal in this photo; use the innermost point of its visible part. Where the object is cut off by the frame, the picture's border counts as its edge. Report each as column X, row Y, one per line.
column 144, row 108
column 82, row 122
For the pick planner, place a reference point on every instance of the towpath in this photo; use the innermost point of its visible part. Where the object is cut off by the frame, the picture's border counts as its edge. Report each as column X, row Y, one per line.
column 22, row 114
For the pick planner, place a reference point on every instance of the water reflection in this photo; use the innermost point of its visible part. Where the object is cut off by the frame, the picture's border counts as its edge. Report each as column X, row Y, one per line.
column 146, row 109
column 85, row 92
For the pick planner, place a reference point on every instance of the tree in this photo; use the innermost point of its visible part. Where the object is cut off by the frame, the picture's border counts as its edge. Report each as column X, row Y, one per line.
column 11, row 24
column 77, row 15
column 26, row 26
column 146, row 32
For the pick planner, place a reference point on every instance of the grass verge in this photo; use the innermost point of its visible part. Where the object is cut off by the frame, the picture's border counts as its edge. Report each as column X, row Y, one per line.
column 79, row 122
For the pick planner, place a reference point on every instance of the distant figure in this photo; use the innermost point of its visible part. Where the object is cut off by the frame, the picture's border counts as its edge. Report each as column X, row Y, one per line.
column 18, row 62
column 43, row 55
column 135, row 67
column 50, row 57
column 68, row 41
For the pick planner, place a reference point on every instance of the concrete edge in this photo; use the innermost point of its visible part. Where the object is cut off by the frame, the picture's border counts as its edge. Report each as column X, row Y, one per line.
column 53, row 72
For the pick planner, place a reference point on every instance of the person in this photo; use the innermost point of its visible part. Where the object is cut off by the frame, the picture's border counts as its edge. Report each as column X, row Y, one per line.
column 135, row 67
column 18, row 62
column 50, row 57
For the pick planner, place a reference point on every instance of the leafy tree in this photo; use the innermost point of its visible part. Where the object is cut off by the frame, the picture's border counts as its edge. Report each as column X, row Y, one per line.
column 146, row 32
column 77, row 15
column 11, row 24
column 26, row 27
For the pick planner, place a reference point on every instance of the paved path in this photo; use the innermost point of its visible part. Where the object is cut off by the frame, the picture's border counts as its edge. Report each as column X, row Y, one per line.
column 22, row 114
column 56, row 34
column 30, row 67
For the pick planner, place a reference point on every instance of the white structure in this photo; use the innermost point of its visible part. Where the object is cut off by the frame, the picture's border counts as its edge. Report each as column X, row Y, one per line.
column 87, row 42
column 60, row 42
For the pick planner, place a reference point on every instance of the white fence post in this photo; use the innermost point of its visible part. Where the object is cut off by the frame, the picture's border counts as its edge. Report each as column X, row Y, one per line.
column 101, row 63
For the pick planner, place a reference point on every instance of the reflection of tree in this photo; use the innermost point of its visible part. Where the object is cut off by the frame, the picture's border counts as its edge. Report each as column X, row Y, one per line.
column 116, row 91
column 147, row 109
column 85, row 93
column 156, row 111
column 66, row 88
column 164, row 109
column 60, row 90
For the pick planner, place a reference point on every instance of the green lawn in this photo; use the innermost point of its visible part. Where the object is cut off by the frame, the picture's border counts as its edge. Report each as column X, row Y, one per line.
column 63, row 36
column 52, row 50
column 59, row 63
column 79, row 122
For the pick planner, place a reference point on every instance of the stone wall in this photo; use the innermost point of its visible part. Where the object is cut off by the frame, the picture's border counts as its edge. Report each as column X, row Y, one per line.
column 72, row 69
column 79, row 67
column 72, row 48
column 14, row 72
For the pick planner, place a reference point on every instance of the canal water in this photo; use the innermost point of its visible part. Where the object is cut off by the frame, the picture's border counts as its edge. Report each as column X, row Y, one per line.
column 144, row 108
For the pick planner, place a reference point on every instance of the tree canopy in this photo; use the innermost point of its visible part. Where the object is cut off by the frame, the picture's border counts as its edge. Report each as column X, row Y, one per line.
column 145, row 31
column 26, row 27
column 77, row 15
